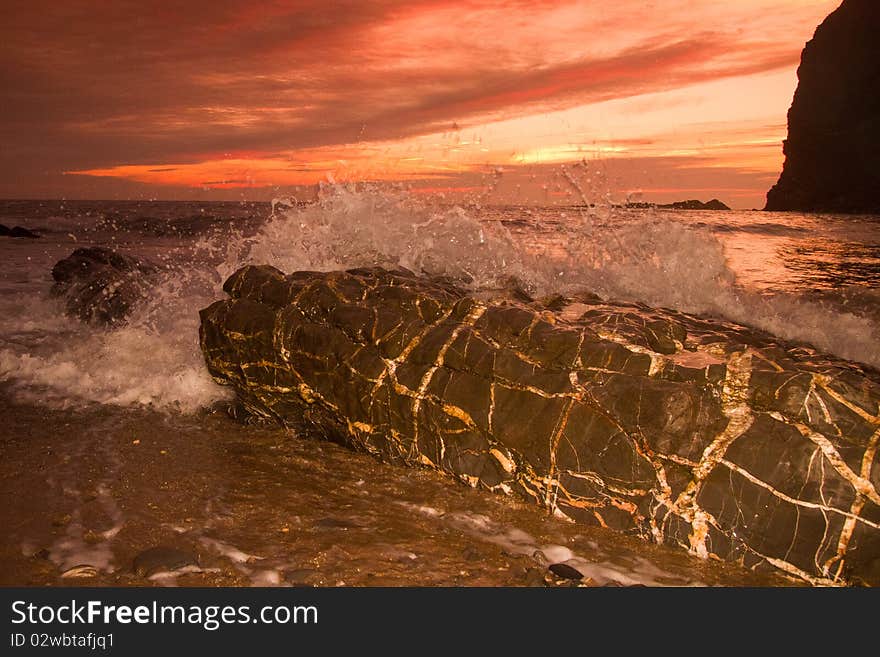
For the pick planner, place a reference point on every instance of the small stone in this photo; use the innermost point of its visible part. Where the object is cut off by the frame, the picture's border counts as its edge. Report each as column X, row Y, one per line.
column 135, row 442
column 81, row 570
column 160, row 559
column 565, row 571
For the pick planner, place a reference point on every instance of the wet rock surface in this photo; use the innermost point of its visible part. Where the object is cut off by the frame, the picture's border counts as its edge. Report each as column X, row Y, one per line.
column 833, row 148
column 691, row 432
column 100, row 285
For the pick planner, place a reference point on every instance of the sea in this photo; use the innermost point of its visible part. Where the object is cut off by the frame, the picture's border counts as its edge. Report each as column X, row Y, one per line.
column 114, row 441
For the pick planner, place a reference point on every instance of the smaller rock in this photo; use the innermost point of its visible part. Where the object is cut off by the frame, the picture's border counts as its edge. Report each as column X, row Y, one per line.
column 162, row 559
column 100, row 285
column 565, row 571
column 81, row 570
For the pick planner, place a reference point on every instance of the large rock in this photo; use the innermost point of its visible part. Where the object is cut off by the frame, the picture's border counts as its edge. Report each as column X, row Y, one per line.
column 684, row 431
column 832, row 154
column 99, row 285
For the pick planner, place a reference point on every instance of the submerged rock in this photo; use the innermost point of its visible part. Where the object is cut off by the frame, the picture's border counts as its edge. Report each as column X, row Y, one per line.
column 832, row 154
column 685, row 431
column 100, row 285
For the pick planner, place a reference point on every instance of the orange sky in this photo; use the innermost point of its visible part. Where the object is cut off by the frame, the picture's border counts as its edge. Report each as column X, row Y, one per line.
column 657, row 99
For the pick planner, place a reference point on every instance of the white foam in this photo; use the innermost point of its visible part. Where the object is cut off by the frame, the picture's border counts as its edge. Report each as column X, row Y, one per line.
column 168, row 578
column 155, row 360
column 429, row 511
column 648, row 258
column 556, row 553
column 601, row 567
column 229, row 551
column 266, row 578
column 73, row 549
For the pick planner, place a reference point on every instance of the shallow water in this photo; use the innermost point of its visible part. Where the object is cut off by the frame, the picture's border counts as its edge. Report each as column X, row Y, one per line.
column 259, row 506
column 108, row 449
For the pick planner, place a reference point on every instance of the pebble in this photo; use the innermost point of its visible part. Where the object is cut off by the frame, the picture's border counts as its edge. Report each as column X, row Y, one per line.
column 81, row 570
column 161, row 559
column 565, row 571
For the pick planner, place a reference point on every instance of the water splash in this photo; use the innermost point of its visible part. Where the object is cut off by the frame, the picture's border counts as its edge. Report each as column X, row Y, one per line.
column 619, row 255
column 155, row 358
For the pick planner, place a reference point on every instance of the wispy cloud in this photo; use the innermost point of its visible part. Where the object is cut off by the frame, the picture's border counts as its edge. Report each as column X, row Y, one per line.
column 149, row 88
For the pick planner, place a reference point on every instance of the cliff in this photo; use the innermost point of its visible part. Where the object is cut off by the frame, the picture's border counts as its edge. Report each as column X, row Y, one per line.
column 832, row 154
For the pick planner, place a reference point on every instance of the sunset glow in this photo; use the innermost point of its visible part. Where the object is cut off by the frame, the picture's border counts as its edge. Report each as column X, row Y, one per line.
column 251, row 100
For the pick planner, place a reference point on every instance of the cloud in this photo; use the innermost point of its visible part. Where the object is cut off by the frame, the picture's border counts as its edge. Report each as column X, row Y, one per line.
column 93, row 85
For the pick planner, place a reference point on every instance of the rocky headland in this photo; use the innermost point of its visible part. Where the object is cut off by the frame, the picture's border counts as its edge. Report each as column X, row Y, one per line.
column 691, row 204
column 832, row 153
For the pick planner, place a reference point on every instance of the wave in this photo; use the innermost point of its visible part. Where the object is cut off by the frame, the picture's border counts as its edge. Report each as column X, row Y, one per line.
column 643, row 258
column 155, row 358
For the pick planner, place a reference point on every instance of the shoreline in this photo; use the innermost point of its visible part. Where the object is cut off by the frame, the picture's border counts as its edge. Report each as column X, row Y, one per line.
column 259, row 507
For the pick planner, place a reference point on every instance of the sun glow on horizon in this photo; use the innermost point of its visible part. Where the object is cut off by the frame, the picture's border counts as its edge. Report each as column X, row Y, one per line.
column 435, row 91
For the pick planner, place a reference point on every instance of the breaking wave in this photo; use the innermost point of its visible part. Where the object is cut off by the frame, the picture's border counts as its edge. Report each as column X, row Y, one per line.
column 155, row 359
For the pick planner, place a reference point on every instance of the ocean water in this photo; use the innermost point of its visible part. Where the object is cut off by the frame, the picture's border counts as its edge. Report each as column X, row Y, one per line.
column 111, row 443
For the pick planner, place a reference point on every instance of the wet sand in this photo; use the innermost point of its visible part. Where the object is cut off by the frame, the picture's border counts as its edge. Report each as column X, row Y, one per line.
column 98, row 485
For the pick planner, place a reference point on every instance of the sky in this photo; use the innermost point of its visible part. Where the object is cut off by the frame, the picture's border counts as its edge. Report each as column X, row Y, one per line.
column 509, row 101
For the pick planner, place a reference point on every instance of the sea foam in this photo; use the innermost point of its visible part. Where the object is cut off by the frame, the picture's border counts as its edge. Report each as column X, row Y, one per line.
column 155, row 359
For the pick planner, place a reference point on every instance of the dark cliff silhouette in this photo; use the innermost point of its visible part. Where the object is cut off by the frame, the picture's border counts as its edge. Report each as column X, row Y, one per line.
column 832, row 154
